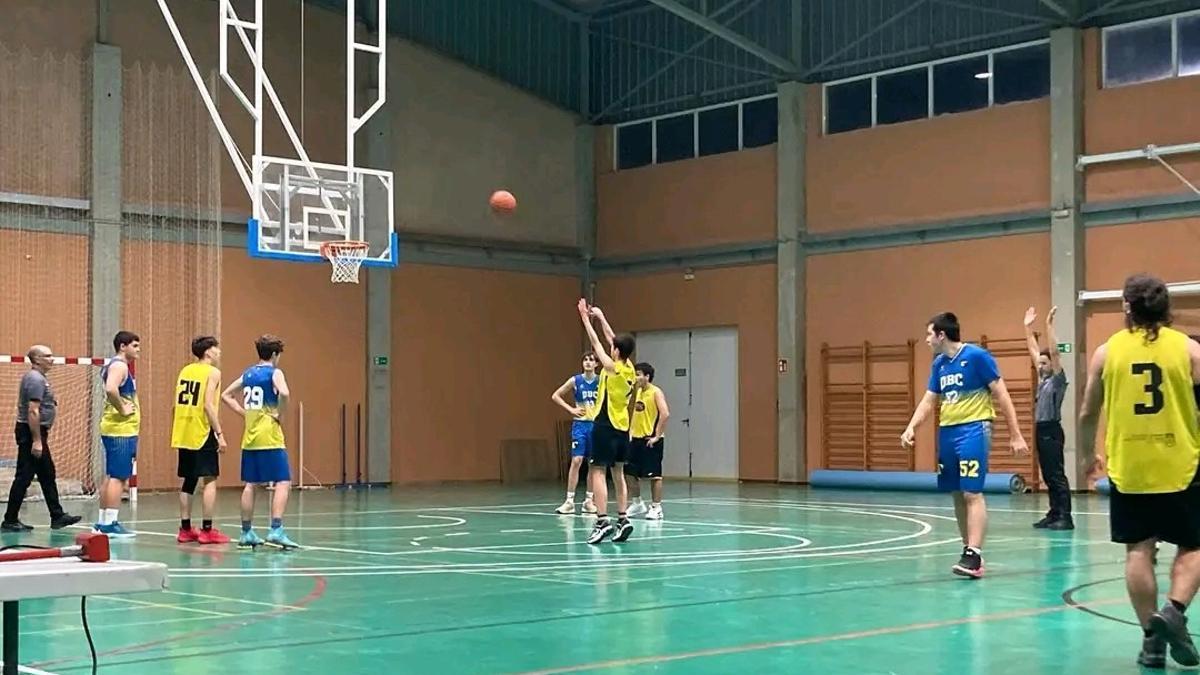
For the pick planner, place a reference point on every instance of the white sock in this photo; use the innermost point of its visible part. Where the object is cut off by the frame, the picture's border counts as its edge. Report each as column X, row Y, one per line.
column 657, row 505
column 101, row 518
column 571, row 496
column 589, row 496
column 112, row 515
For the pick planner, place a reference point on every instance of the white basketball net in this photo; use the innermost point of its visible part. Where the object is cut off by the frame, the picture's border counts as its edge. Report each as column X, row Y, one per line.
column 346, row 257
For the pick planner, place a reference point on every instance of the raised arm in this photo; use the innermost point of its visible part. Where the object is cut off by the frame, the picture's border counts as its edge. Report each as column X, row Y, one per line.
column 1031, row 342
column 608, row 331
column 1093, row 399
column 282, row 393
column 601, row 353
column 210, row 405
column 567, row 387
column 231, row 400
column 1052, row 341
column 117, row 370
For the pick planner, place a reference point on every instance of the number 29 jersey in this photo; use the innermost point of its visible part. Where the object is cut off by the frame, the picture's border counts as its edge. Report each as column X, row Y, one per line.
column 261, row 401
column 1152, row 438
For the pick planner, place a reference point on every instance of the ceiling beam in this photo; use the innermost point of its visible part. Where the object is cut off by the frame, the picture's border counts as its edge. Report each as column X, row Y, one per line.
column 1057, row 8
column 730, row 36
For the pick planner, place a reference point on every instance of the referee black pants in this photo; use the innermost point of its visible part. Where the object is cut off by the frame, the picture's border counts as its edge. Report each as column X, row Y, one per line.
column 29, row 467
column 1050, row 440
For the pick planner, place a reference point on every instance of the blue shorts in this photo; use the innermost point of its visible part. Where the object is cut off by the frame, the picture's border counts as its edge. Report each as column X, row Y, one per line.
column 119, row 453
column 963, row 456
column 265, row 466
column 581, row 439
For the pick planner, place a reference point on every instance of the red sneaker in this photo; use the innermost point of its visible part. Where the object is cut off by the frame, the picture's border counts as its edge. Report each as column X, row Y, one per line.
column 213, row 536
column 189, row 535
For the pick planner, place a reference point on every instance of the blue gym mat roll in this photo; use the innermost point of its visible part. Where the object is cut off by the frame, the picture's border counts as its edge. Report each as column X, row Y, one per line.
column 915, row 481
column 1103, row 486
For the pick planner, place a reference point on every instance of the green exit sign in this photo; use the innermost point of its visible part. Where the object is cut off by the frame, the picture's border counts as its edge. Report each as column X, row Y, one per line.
column 381, row 360
column 1064, row 348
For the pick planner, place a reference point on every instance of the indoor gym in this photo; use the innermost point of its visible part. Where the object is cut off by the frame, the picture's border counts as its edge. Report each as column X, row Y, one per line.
column 772, row 195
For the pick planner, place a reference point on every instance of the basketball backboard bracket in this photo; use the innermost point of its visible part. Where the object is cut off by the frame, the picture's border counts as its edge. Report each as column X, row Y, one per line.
column 298, row 204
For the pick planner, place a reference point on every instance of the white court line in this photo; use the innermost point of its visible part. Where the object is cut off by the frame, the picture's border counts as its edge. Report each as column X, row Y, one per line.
column 456, row 534
column 364, row 528
column 239, row 600
column 143, row 603
column 528, row 529
column 31, row 671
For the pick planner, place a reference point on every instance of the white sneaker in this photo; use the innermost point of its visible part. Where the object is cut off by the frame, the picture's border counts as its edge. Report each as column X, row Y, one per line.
column 636, row 509
column 567, row 508
column 655, row 512
column 588, row 506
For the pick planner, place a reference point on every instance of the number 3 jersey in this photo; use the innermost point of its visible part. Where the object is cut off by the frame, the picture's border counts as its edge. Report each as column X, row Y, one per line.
column 1151, row 437
column 962, row 383
column 261, row 401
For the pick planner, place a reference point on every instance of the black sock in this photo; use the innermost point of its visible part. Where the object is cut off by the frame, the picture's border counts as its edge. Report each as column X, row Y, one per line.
column 185, row 524
column 1146, row 632
column 206, row 525
column 1179, row 606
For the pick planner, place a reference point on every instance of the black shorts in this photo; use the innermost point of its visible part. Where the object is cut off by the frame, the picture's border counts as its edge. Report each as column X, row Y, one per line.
column 645, row 461
column 1173, row 517
column 202, row 463
column 609, row 446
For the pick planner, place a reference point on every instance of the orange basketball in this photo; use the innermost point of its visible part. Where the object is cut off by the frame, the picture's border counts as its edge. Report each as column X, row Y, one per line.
column 503, row 201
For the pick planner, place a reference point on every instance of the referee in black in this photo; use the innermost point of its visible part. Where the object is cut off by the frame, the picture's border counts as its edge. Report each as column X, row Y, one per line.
column 1051, row 388
column 36, row 410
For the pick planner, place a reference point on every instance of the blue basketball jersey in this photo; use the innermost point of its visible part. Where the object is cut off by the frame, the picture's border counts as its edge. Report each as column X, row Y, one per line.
column 261, row 403
column 962, row 383
column 585, row 395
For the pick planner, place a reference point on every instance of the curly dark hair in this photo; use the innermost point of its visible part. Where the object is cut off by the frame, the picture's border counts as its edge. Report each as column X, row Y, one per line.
column 1149, row 304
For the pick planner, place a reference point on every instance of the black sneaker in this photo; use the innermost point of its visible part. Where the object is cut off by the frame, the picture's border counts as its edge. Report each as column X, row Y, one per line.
column 1043, row 522
column 602, row 529
column 1061, row 524
column 65, row 520
column 1170, row 625
column 1154, row 652
column 624, row 529
column 14, row 526
column 969, row 565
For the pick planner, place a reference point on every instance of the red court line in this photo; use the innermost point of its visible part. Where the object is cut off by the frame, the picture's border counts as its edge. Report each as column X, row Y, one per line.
column 818, row 639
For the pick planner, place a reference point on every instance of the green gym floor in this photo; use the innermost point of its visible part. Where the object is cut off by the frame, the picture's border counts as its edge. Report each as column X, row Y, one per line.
column 486, row 579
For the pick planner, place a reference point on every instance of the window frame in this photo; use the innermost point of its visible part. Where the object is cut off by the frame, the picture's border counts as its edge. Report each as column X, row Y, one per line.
column 695, row 114
column 928, row 66
column 1172, row 19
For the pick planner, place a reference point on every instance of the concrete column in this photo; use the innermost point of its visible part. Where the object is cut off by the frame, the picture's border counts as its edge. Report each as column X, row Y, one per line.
column 105, row 250
column 1067, row 243
column 379, row 154
column 585, row 203
column 790, row 226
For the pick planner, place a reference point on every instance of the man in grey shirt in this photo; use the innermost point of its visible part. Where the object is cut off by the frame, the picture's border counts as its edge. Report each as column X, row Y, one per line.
column 36, row 410
column 1052, row 387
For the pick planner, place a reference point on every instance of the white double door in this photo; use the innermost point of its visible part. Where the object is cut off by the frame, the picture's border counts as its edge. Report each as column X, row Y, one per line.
column 697, row 372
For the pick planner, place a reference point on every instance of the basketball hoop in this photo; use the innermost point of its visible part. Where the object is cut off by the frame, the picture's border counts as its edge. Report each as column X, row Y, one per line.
column 346, row 257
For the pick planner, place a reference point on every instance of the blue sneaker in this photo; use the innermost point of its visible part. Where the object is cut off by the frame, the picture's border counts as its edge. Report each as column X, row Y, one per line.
column 114, row 531
column 276, row 537
column 250, row 540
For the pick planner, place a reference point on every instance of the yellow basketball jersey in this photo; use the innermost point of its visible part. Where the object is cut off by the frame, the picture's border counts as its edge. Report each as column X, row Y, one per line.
column 645, row 413
column 1152, row 436
column 615, row 390
column 191, row 426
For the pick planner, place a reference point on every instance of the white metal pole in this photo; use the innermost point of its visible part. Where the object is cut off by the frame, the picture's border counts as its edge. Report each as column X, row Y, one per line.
column 300, row 468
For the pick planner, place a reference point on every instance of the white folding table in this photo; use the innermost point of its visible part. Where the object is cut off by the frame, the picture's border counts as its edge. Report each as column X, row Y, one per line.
column 65, row 577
